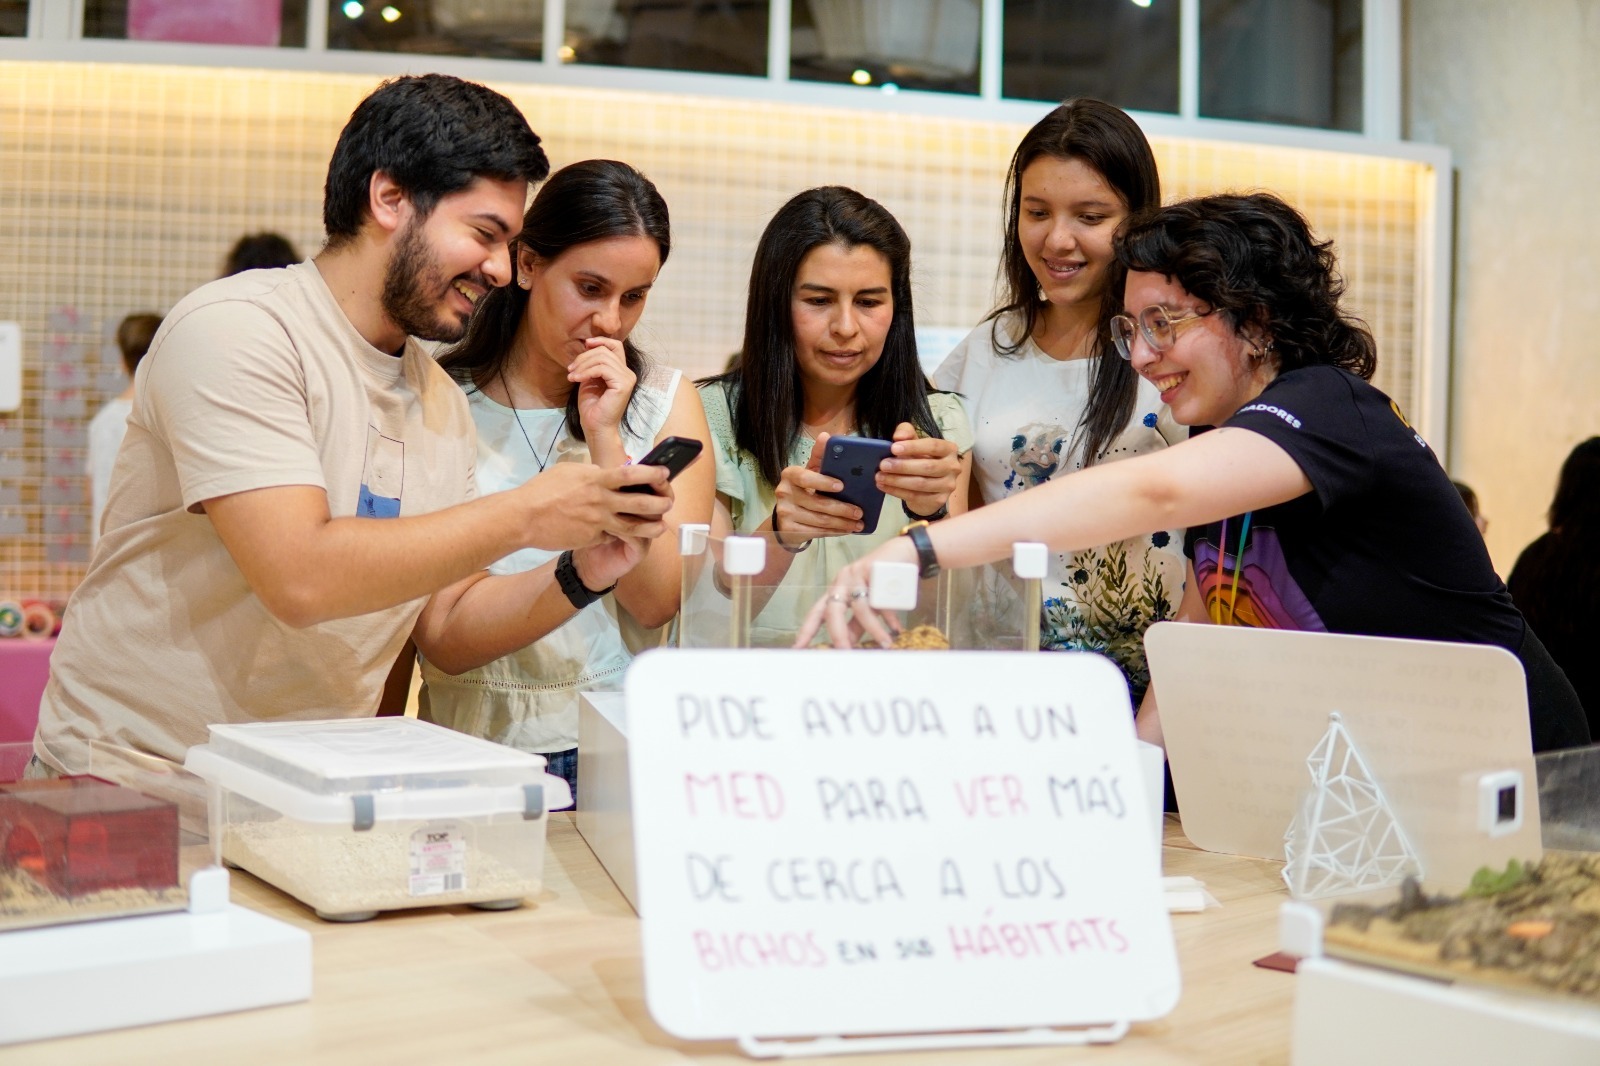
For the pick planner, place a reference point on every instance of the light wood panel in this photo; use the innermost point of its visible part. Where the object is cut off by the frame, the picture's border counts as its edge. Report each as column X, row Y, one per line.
column 560, row 982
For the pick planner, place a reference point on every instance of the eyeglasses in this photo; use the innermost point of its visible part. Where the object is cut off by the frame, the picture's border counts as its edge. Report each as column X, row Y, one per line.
column 1159, row 326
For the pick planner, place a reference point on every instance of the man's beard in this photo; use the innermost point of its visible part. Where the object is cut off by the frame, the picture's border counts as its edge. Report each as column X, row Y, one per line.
column 413, row 288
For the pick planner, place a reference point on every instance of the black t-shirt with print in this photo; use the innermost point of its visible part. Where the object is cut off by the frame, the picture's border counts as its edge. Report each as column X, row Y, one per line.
column 1382, row 546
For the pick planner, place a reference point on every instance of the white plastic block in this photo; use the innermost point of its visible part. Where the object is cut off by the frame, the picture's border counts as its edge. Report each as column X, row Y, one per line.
column 692, row 538
column 894, row 586
column 208, row 890
column 1501, row 797
column 744, row 556
column 10, row 366
column 1030, row 559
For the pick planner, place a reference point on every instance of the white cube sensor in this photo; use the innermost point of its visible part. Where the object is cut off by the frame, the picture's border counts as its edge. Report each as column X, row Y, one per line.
column 692, row 538
column 1029, row 559
column 894, row 586
column 744, row 556
column 1500, row 801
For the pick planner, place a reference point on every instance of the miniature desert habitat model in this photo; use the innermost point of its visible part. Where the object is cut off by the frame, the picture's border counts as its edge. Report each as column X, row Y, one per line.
column 1534, row 927
column 76, row 848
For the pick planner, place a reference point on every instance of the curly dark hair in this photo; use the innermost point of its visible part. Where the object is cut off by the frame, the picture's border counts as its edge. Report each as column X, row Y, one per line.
column 434, row 135
column 1254, row 259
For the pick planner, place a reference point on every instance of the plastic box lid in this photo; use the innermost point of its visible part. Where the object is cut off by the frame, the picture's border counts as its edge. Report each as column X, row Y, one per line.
column 399, row 766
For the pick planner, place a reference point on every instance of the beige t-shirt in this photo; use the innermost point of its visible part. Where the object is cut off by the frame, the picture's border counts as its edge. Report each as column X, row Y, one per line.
column 253, row 381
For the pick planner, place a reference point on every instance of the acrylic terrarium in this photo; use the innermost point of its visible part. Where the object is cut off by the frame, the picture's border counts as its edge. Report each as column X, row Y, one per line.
column 748, row 591
column 358, row 816
column 74, row 848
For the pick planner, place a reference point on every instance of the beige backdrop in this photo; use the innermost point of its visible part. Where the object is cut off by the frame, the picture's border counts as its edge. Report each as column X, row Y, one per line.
column 1514, row 91
column 122, row 186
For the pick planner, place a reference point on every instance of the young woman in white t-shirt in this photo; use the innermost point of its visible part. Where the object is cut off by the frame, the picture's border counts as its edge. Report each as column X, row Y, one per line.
column 552, row 377
column 1045, row 392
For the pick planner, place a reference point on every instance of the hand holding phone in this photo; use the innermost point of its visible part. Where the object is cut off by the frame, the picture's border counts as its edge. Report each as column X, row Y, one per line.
column 854, row 462
column 674, row 453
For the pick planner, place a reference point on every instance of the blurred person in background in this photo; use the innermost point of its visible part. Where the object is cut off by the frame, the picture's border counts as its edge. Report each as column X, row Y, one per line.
column 259, row 251
column 1556, row 582
column 110, row 424
column 1470, row 499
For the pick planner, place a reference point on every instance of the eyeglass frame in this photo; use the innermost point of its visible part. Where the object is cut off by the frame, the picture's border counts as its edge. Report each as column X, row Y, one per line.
column 1176, row 325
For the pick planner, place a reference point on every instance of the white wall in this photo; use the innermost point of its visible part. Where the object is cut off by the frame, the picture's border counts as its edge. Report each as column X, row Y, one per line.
column 1514, row 90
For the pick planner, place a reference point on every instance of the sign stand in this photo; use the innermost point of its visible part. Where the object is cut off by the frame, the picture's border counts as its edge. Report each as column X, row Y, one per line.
column 854, row 1045
column 812, row 827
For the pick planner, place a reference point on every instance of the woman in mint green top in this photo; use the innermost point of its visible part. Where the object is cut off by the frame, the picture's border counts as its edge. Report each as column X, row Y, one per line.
column 829, row 349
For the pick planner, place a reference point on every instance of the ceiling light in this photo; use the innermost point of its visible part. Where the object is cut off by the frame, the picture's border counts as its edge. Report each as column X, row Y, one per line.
column 1141, row 3
column 390, row 13
column 861, row 77
column 353, row 10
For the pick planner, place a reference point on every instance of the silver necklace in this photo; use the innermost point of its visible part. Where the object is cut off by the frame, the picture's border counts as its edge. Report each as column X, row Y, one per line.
column 517, row 414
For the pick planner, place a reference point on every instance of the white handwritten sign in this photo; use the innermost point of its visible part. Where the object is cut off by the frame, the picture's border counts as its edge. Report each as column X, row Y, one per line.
column 848, row 843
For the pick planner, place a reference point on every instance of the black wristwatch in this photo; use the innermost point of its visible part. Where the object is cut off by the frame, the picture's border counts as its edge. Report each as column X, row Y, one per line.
column 942, row 512
column 578, row 594
column 927, row 561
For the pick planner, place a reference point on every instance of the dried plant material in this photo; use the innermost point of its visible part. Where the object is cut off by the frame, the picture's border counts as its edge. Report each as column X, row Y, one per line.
column 1535, row 926
column 24, row 902
column 1530, row 930
column 922, row 638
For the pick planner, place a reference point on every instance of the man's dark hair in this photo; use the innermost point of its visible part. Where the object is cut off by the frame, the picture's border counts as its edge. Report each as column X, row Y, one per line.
column 259, row 251
column 434, row 135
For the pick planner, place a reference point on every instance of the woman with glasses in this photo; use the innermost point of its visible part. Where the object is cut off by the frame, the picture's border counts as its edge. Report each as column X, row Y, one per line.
column 1045, row 390
column 1311, row 505
column 552, row 377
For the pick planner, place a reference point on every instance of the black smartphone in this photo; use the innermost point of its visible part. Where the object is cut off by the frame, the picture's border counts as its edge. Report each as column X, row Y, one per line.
column 854, row 461
column 674, row 453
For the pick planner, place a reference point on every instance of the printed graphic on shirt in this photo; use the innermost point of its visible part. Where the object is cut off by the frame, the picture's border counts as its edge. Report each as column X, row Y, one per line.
column 1036, row 454
column 1111, row 595
column 1251, row 586
column 383, row 476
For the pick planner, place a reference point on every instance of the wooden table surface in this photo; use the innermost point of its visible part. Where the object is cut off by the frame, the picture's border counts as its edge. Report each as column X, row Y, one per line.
column 561, row 982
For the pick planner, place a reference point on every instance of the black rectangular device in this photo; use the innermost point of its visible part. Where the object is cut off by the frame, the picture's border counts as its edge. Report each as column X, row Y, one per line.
column 854, row 461
column 674, row 453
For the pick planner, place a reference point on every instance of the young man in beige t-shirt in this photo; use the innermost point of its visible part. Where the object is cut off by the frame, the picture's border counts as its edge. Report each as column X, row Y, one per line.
column 295, row 496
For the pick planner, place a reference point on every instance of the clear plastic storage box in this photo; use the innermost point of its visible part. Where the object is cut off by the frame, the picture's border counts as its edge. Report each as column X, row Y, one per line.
column 748, row 591
column 358, row 816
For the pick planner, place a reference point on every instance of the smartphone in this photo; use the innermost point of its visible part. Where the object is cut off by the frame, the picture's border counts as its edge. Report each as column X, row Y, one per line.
column 854, row 461
column 674, row 453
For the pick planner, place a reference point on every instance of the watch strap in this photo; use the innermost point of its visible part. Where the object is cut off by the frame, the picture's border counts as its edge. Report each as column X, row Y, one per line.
column 578, row 594
column 942, row 512
column 927, row 560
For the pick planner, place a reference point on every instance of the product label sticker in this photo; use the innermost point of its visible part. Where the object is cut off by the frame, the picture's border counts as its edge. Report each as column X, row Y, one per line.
column 438, row 859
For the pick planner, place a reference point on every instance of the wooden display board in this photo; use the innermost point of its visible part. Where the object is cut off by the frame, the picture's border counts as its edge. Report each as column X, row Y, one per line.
column 1242, row 708
column 846, row 843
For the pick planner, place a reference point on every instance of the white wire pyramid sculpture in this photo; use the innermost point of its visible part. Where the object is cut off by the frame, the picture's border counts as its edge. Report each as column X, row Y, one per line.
column 1345, row 837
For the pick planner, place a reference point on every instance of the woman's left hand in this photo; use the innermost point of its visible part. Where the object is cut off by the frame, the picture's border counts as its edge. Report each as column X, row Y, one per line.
column 922, row 471
column 605, row 384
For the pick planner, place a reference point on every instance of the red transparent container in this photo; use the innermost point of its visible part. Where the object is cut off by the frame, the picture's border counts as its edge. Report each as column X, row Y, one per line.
column 81, row 835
